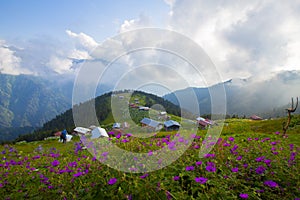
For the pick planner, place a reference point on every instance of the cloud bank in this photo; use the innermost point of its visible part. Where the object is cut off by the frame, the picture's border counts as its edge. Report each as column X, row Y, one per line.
column 243, row 39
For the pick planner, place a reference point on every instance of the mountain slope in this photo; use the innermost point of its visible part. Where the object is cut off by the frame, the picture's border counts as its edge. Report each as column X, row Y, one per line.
column 102, row 105
column 28, row 101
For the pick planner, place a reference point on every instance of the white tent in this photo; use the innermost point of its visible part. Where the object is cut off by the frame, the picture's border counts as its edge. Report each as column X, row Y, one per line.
column 68, row 138
column 99, row 132
column 82, row 130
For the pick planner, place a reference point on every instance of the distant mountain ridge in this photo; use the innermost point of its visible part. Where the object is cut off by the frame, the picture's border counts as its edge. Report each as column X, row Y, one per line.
column 30, row 101
column 267, row 98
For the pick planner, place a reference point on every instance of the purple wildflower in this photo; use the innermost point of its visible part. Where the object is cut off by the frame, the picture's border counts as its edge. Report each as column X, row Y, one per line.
column 235, row 169
column 226, row 144
column 133, row 169
column 171, row 146
column 260, row 159
column 293, row 155
column 239, row 158
column 259, row 191
column 158, row 187
column 168, row 195
column 234, row 148
column 144, row 176
column 104, row 154
column 78, row 174
column 273, row 143
column 111, row 133
column 268, row 162
column 125, row 141
column 292, row 158
column 231, row 139
column 260, row 169
column 181, row 139
column 36, row 157
column 209, row 155
column 159, row 161
column 50, row 187
column 39, row 148
column 271, row 183
column 244, row 196
column 128, row 134
column 112, row 181
column 201, row 180
column 210, row 167
column 77, row 147
column 61, row 171
column 199, row 163
column 55, row 163
column 189, row 168
column 72, row 164
column 176, row 178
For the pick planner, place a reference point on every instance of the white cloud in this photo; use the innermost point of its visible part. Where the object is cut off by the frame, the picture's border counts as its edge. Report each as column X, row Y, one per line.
column 9, row 62
column 79, row 54
column 244, row 38
column 141, row 22
column 45, row 56
column 60, row 65
column 83, row 40
column 170, row 2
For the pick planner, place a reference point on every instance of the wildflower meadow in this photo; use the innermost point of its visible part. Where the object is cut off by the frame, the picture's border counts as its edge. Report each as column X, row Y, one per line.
column 242, row 165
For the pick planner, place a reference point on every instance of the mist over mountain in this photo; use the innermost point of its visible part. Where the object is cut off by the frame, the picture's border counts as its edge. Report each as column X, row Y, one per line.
column 266, row 97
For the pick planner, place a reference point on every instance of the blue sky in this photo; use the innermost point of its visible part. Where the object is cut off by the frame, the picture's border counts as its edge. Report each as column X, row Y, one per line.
column 242, row 38
column 100, row 19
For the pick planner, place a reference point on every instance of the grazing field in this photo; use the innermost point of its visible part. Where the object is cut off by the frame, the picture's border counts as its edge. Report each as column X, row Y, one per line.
column 251, row 160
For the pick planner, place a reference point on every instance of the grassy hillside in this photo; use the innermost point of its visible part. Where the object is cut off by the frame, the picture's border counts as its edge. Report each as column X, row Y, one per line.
column 251, row 160
column 103, row 107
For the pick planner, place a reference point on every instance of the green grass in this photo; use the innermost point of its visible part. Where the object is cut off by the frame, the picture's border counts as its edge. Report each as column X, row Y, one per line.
column 29, row 173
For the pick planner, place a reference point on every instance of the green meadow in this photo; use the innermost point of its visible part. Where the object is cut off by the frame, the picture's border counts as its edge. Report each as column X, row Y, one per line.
column 251, row 160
